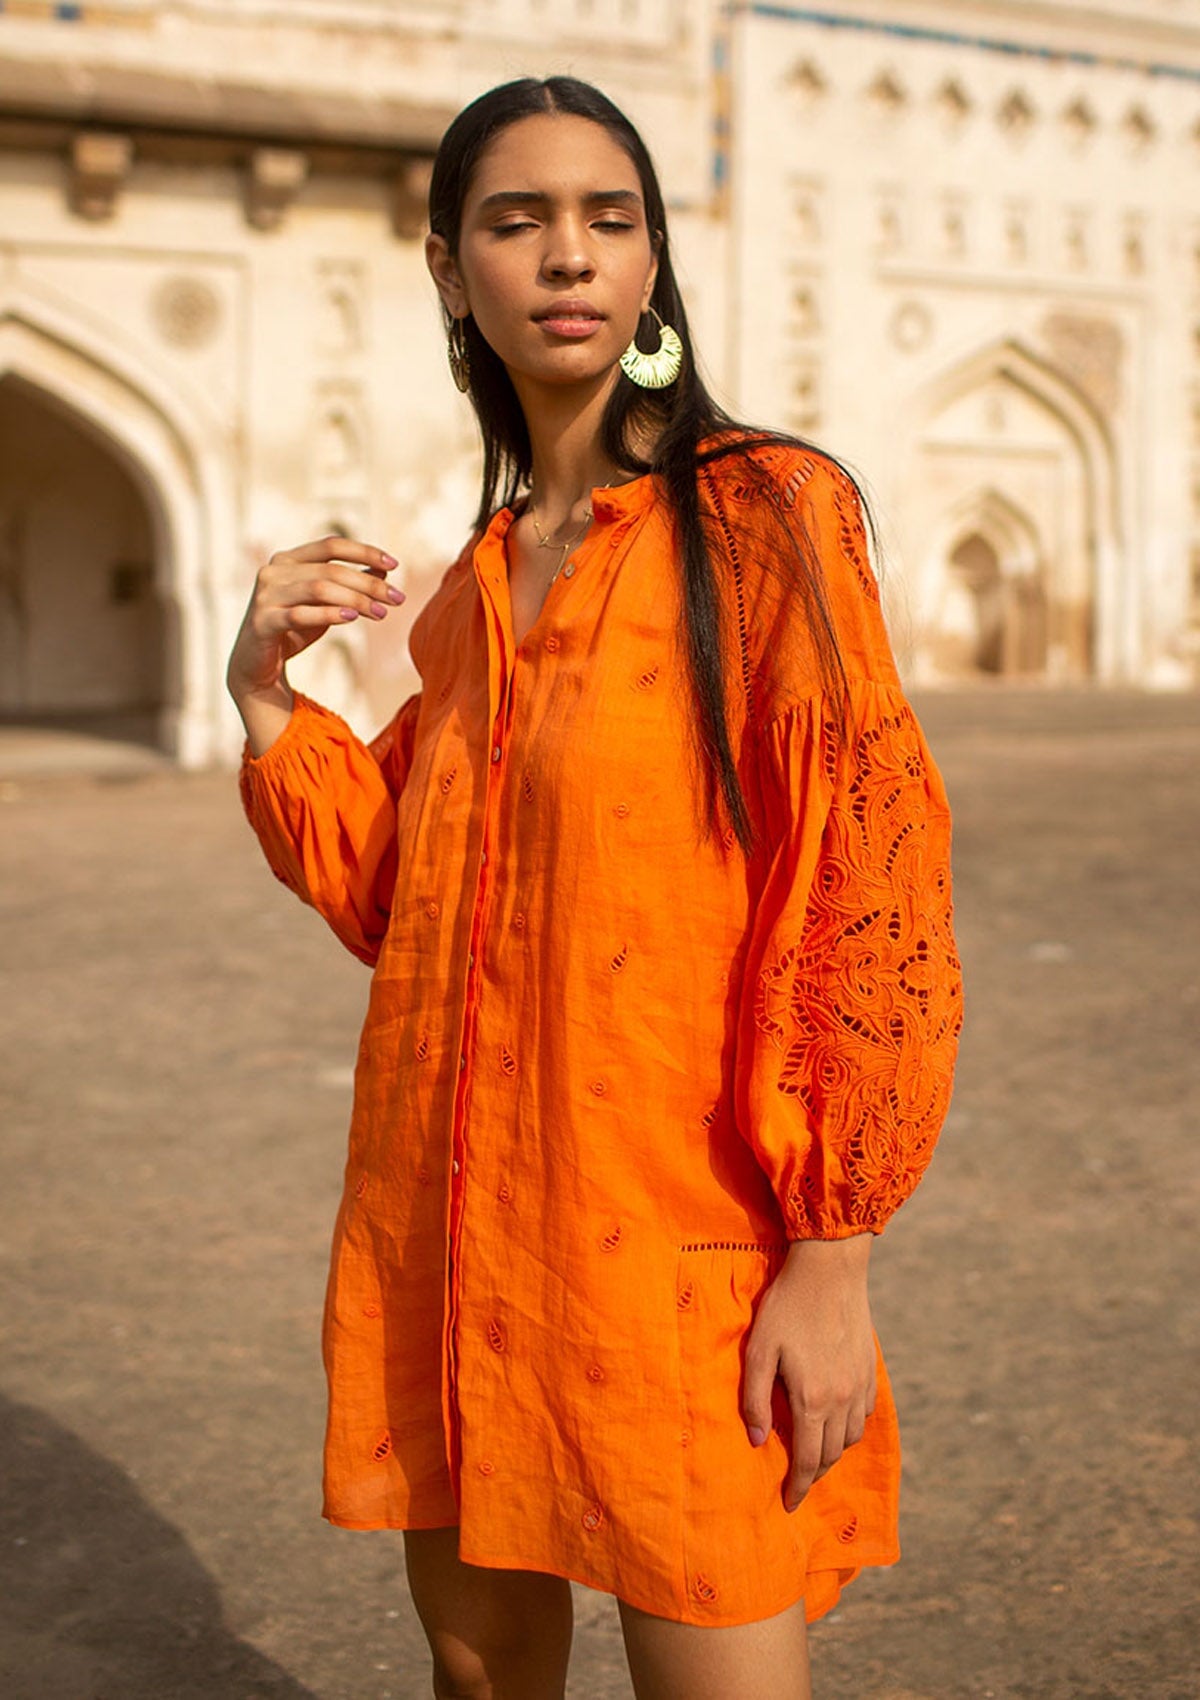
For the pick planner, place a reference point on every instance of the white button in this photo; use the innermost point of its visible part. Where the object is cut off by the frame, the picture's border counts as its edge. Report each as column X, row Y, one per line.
column 483, row 858
column 496, row 752
column 569, row 569
column 462, row 1062
column 470, row 959
column 454, row 1165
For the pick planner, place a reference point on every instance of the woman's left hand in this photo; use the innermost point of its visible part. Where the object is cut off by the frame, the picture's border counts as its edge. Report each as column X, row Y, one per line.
column 813, row 1330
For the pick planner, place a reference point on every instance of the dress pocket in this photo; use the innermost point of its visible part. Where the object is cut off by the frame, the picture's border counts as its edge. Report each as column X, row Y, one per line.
column 739, row 1541
column 718, row 1287
column 737, row 1534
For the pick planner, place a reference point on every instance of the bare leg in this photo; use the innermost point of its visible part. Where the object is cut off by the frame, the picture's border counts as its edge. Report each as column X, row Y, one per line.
column 494, row 1634
column 686, row 1661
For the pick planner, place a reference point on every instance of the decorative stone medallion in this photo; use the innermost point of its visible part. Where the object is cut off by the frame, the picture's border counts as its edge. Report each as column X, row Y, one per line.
column 186, row 311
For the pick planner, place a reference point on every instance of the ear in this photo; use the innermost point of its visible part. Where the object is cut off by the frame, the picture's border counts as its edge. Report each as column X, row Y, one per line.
column 652, row 275
column 444, row 271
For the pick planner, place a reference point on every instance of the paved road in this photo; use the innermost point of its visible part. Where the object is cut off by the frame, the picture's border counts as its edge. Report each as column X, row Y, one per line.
column 175, row 1072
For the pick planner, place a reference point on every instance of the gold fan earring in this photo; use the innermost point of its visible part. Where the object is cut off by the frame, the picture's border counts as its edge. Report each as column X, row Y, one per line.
column 655, row 371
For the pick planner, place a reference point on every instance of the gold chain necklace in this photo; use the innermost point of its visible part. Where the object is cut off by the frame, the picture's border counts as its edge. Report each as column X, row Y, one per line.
column 545, row 541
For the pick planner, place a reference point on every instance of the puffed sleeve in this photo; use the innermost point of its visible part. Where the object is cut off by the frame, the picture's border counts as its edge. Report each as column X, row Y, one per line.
column 323, row 805
column 852, row 995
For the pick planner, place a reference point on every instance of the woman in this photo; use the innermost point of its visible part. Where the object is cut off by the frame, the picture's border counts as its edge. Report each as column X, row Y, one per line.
column 653, row 873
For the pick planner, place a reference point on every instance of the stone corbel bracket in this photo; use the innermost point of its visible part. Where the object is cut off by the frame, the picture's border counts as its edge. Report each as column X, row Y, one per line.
column 100, row 165
column 274, row 178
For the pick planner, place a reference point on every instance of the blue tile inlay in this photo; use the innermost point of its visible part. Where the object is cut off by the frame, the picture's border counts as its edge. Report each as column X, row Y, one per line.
column 959, row 38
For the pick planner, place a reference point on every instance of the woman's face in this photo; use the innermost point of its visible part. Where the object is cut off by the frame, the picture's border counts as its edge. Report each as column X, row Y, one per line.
column 555, row 260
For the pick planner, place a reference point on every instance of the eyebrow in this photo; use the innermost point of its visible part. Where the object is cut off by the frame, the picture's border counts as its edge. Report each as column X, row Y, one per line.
column 532, row 197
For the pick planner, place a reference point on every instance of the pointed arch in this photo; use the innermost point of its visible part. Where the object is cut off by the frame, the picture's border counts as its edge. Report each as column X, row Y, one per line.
column 1113, row 592
column 143, row 422
column 989, row 513
column 995, row 554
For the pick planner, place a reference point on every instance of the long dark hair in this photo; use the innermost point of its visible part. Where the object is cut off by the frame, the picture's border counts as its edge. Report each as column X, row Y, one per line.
column 675, row 419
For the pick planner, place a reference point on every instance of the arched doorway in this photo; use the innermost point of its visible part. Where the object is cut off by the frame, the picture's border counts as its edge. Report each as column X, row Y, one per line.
column 82, row 624
column 1006, row 625
column 991, row 617
column 169, row 444
column 1011, row 517
column 977, row 585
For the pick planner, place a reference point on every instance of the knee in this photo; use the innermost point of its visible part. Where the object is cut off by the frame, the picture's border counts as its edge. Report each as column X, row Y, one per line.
column 462, row 1672
column 460, row 1675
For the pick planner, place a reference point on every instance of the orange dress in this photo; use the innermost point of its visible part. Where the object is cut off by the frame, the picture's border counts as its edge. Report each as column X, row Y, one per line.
column 611, row 1066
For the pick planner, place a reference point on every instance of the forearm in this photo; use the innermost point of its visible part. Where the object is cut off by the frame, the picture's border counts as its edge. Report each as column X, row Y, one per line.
column 319, row 803
column 265, row 712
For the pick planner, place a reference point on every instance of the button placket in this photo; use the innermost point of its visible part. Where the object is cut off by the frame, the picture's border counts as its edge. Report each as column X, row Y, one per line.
column 501, row 684
column 482, row 893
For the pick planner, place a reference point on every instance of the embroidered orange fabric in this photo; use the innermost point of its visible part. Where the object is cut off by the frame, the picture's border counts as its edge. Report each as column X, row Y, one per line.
column 612, row 1065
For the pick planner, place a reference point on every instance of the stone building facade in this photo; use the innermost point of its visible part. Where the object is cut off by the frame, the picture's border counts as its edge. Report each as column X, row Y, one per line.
column 957, row 244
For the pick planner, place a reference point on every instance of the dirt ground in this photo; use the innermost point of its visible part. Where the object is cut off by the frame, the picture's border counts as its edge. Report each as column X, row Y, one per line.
column 177, row 1043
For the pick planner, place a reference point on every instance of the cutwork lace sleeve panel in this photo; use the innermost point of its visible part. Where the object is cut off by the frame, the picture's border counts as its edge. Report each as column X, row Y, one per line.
column 853, row 995
column 323, row 805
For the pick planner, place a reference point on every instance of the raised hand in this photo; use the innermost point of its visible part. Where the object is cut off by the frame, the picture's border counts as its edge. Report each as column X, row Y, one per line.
column 297, row 596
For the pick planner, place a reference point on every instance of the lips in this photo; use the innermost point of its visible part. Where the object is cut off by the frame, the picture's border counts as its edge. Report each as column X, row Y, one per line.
column 570, row 310
column 570, row 317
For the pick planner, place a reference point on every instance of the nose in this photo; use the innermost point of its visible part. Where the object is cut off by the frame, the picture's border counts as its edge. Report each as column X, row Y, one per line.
column 567, row 253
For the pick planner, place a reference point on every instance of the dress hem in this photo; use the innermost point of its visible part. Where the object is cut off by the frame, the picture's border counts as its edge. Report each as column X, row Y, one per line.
column 821, row 1600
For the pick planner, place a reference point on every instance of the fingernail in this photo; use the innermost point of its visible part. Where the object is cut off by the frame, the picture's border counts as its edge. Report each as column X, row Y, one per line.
column 394, row 595
column 378, row 610
column 757, row 1435
column 348, row 613
column 390, row 559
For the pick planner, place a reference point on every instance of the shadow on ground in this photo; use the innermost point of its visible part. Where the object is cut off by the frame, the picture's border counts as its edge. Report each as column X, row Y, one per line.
column 100, row 1597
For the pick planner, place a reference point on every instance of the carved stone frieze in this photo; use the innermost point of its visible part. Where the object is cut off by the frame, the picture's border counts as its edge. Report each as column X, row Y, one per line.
column 886, row 93
column 1079, row 120
column 1016, row 114
column 1139, row 128
column 806, row 79
column 953, row 103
